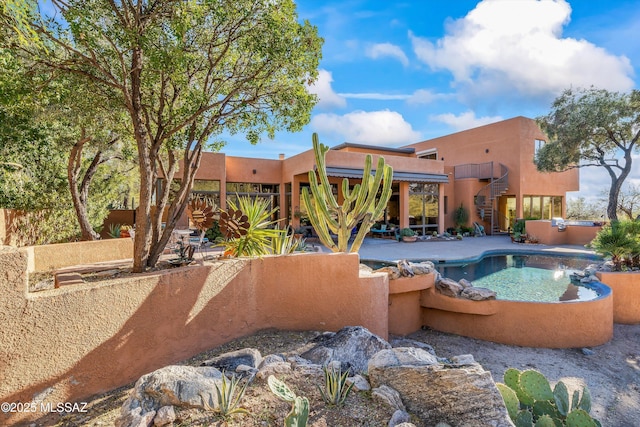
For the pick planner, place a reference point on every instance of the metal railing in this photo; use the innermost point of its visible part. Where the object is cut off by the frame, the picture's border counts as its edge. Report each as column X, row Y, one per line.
column 474, row 170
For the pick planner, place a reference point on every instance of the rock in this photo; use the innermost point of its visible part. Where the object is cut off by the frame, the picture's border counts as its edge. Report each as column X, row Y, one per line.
column 388, row 396
column 352, row 345
column 393, row 272
column 448, row 287
column 405, row 268
column 181, row 386
column 274, row 368
column 398, row 418
column 435, row 393
column 135, row 418
column 463, row 359
column 360, row 383
column 271, row 358
column 410, row 425
column 401, row 356
column 165, row 416
column 478, row 294
column 424, row 267
column 365, row 269
column 465, row 283
column 230, row 361
column 587, row 351
column 408, row 342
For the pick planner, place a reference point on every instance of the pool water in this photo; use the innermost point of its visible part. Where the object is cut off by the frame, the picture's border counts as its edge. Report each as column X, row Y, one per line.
column 537, row 278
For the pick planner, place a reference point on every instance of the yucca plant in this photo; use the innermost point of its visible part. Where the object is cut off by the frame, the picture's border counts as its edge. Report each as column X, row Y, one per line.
column 257, row 240
column 229, row 394
column 336, row 390
column 286, row 243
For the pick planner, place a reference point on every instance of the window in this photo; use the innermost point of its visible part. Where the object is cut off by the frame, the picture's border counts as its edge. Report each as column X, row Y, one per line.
column 539, row 143
column 541, row 207
column 430, row 154
column 423, row 207
column 270, row 192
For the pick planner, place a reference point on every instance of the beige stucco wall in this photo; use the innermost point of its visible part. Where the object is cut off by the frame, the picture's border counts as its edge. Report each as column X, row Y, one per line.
column 78, row 340
column 529, row 324
column 572, row 235
column 626, row 295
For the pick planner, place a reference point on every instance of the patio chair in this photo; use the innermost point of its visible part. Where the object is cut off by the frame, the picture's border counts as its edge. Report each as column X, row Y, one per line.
column 479, row 229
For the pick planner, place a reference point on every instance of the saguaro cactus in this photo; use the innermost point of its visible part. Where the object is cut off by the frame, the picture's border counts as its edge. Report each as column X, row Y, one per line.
column 361, row 204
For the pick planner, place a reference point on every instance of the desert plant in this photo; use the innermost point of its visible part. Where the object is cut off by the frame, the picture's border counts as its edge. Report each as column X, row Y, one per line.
column 519, row 226
column 407, row 232
column 229, row 394
column 460, row 216
column 114, row 231
column 256, row 241
column 619, row 240
column 359, row 207
column 286, row 243
column 336, row 390
column 299, row 413
column 531, row 402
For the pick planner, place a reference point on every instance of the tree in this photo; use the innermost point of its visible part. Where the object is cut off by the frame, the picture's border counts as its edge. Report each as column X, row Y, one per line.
column 629, row 201
column 51, row 126
column 591, row 128
column 185, row 72
column 581, row 208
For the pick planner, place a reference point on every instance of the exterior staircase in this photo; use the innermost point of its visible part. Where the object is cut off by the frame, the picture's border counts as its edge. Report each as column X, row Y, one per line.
column 485, row 198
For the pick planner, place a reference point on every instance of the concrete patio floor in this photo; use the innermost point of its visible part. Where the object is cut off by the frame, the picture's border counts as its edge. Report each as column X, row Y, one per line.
column 468, row 248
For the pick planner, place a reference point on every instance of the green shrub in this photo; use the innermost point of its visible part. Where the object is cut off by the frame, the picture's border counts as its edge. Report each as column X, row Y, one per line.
column 620, row 241
column 460, row 216
column 407, row 232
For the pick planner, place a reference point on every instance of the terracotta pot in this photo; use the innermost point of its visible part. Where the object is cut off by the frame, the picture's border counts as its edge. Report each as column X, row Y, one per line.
column 409, row 239
column 124, row 233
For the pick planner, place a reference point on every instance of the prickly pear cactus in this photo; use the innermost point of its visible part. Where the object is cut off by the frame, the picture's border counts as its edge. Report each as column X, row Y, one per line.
column 299, row 413
column 280, row 389
column 510, row 400
column 535, row 385
column 561, row 398
column 545, row 421
column 580, row 418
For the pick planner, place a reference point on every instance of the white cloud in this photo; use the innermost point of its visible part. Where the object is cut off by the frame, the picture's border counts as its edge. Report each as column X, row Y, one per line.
column 425, row 96
column 367, row 127
column 327, row 98
column 387, row 49
column 376, row 96
column 464, row 121
column 506, row 46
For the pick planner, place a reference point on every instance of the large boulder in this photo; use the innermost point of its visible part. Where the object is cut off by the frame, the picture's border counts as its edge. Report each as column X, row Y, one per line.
column 182, row 386
column 230, row 361
column 457, row 395
column 478, row 294
column 353, row 346
column 424, row 267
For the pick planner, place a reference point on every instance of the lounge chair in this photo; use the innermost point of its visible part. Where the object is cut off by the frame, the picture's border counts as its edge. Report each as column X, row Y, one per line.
column 479, row 229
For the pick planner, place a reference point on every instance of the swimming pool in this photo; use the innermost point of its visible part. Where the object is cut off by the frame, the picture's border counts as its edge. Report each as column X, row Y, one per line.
column 525, row 277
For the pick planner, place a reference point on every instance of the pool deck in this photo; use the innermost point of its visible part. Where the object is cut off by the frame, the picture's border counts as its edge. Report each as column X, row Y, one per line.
column 468, row 248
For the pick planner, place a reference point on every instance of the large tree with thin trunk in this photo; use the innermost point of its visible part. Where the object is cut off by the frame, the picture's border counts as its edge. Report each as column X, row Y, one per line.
column 592, row 128
column 186, row 72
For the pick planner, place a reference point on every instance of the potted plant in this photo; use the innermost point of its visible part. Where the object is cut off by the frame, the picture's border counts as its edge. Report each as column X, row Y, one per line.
column 408, row 235
column 460, row 218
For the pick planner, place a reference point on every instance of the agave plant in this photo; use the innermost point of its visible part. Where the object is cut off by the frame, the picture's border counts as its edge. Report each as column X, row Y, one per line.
column 336, row 390
column 255, row 240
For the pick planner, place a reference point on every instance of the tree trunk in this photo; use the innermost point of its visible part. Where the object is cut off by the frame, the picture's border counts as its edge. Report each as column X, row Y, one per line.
column 80, row 195
column 617, row 181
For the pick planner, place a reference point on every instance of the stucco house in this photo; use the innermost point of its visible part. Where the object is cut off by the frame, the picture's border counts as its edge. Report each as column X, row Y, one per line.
column 488, row 170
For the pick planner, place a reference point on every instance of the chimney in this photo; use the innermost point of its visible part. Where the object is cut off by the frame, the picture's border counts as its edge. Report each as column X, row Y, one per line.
column 281, row 156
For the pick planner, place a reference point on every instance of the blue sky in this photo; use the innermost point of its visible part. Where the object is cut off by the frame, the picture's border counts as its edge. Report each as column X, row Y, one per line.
column 395, row 73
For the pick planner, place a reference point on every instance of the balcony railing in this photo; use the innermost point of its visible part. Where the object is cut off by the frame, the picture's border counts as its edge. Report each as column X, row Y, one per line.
column 474, row 170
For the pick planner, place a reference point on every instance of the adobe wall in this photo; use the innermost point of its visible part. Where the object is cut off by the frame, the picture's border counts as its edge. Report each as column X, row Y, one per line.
column 51, row 257
column 526, row 324
column 69, row 343
column 626, row 295
column 405, row 313
column 572, row 235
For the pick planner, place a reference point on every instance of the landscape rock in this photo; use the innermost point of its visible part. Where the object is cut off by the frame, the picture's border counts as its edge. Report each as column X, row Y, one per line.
column 392, row 272
column 399, row 418
column 230, row 361
column 389, row 397
column 181, row 386
column 463, row 359
column 365, row 269
column 135, row 418
column 465, row 396
column 465, row 283
column 165, row 416
column 271, row 358
column 478, row 294
column 424, row 267
column 401, row 356
column 405, row 269
column 274, row 368
column 408, row 342
column 448, row 287
column 360, row 383
column 353, row 346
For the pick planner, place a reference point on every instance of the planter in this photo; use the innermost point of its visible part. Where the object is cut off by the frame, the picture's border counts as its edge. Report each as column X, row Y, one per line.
column 409, row 239
column 626, row 295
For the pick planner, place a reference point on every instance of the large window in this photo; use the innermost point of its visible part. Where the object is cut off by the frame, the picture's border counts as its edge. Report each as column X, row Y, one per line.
column 270, row 192
column 541, row 207
column 423, row 207
column 207, row 191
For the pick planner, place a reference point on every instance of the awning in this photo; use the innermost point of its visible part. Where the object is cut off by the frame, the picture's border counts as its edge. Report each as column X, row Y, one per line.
column 397, row 175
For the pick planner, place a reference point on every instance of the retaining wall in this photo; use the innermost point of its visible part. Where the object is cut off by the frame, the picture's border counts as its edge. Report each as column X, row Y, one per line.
column 626, row 295
column 69, row 343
